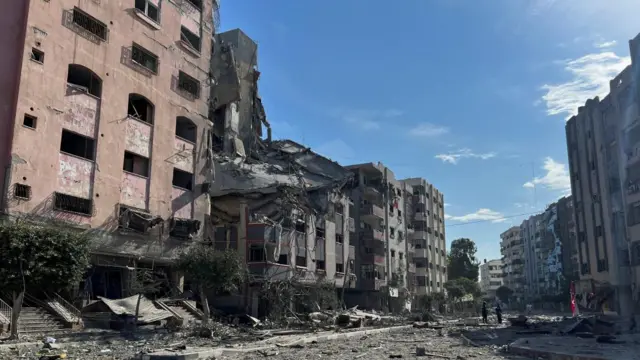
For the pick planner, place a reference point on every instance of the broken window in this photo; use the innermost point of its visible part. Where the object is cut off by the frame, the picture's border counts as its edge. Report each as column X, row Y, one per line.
column 136, row 164
column 257, row 254
column 319, row 232
column 22, row 191
column 392, row 232
column 64, row 202
column 149, row 9
column 90, row 24
column 340, row 268
column 186, row 129
column 190, row 39
column 182, row 179
column 196, row 3
column 37, row 55
column 188, row 84
column 301, row 261
column 137, row 220
column 339, row 238
column 29, row 121
column 83, row 79
column 144, row 58
column 320, row 265
column 140, row 108
column 78, row 145
column 283, row 259
column 301, row 226
column 184, row 228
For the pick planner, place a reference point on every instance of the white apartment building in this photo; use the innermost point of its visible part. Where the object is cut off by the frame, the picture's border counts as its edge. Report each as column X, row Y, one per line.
column 491, row 277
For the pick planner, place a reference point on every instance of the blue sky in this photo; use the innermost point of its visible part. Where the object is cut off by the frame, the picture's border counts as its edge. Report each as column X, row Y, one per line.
column 470, row 94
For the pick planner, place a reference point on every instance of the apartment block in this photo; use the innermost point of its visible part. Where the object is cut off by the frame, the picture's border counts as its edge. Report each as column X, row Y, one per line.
column 425, row 215
column 104, row 123
column 512, row 250
column 491, row 277
column 601, row 143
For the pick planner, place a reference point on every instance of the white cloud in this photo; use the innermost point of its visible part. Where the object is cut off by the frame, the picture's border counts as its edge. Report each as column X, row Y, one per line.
column 556, row 177
column 447, row 204
column 480, row 215
column 428, row 130
column 454, row 157
column 590, row 76
column 336, row 150
column 605, row 44
column 366, row 119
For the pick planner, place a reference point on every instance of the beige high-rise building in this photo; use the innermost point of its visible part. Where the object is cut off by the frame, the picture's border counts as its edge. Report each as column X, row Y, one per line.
column 513, row 255
column 491, row 277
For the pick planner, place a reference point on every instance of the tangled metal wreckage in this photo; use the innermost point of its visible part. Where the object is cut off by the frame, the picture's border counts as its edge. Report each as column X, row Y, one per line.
column 277, row 180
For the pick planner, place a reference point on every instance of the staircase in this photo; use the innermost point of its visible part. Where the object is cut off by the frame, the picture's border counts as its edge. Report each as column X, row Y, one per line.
column 38, row 320
column 184, row 311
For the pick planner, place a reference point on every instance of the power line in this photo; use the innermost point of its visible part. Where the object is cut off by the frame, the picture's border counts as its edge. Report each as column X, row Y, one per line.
column 500, row 218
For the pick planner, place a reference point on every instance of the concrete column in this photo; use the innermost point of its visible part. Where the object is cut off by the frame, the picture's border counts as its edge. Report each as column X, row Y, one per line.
column 177, row 280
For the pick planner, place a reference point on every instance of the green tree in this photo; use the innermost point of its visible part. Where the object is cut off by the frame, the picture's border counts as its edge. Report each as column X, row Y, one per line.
column 462, row 260
column 470, row 287
column 213, row 270
column 504, row 293
column 41, row 259
column 455, row 290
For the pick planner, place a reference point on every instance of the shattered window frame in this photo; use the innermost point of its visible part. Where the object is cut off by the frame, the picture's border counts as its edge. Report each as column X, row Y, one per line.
column 143, row 7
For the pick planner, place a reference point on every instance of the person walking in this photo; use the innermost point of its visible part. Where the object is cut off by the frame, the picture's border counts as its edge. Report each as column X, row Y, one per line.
column 499, row 313
column 484, row 312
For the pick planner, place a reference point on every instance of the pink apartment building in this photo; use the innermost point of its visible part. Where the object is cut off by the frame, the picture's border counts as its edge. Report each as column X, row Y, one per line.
column 103, row 124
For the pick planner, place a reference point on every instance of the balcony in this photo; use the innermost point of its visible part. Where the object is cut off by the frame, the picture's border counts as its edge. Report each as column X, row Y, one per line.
column 352, row 252
column 372, row 213
column 75, row 175
column 421, row 253
column 371, row 191
column 420, row 216
column 377, row 259
column 418, row 234
column 372, row 234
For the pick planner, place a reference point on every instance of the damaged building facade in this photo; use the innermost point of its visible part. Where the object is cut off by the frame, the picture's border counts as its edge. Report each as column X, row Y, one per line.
column 399, row 235
column 280, row 205
column 294, row 214
column 549, row 239
column 104, row 126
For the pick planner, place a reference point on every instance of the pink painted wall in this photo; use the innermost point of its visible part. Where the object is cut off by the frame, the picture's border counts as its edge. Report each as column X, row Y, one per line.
column 138, row 138
column 74, row 176
column 81, row 112
column 190, row 17
column 13, row 23
column 134, row 190
column 183, row 159
column 42, row 93
column 184, row 211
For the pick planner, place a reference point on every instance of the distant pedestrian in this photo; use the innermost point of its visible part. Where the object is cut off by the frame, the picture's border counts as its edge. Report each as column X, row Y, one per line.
column 485, row 313
column 499, row 313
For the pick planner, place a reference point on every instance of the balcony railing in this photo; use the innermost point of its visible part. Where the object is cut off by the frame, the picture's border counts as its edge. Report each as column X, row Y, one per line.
column 5, row 313
column 420, row 216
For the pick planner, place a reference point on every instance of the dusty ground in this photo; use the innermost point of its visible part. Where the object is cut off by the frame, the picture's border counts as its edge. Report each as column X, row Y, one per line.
column 437, row 345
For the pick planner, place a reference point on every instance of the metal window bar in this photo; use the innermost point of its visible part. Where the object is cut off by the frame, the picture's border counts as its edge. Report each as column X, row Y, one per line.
column 90, row 24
